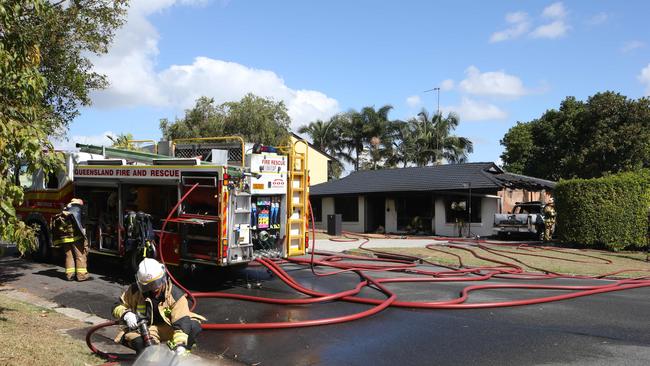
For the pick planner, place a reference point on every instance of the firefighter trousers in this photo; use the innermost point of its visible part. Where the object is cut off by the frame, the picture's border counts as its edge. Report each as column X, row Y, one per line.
column 76, row 260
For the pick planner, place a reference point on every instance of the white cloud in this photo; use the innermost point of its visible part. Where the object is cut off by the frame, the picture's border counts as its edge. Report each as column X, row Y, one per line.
column 520, row 25
column 447, row 85
column 100, row 140
column 517, row 17
column 554, row 11
column 552, row 30
column 473, row 110
column 644, row 78
column 598, row 19
column 308, row 105
column 134, row 80
column 632, row 45
column 556, row 28
column 492, row 83
column 413, row 101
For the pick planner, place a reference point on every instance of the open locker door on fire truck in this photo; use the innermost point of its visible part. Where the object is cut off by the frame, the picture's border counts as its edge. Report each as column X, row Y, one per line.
column 268, row 186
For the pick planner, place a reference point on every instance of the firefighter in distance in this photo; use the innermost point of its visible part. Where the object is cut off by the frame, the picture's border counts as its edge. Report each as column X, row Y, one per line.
column 155, row 298
column 549, row 221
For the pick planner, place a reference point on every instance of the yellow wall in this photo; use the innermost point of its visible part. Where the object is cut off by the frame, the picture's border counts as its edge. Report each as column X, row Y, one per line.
column 317, row 164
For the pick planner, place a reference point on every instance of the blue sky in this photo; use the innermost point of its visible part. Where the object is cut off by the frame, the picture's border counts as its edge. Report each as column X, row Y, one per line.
column 496, row 62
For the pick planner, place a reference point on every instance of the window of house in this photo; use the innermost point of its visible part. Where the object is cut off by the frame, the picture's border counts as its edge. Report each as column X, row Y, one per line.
column 317, row 208
column 414, row 213
column 348, row 207
column 456, row 210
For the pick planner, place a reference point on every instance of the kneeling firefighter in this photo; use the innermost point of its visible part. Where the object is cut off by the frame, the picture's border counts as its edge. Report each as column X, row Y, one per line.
column 155, row 298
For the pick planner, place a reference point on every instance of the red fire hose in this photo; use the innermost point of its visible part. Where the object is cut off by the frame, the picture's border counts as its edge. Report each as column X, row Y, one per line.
column 404, row 265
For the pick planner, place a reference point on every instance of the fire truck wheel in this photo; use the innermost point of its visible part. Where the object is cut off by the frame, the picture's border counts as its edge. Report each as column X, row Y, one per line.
column 43, row 252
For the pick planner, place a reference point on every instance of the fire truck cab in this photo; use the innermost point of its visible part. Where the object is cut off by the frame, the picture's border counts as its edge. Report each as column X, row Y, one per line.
column 212, row 212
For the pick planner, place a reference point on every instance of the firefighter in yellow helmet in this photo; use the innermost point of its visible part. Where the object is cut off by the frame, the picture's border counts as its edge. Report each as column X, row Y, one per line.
column 69, row 232
column 164, row 306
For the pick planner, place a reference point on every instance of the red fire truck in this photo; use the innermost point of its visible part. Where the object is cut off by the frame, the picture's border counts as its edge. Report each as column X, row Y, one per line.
column 237, row 210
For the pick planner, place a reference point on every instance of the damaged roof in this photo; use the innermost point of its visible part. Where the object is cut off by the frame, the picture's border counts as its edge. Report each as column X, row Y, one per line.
column 430, row 178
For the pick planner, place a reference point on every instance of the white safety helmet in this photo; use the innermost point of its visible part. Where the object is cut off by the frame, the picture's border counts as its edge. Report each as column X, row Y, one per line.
column 151, row 275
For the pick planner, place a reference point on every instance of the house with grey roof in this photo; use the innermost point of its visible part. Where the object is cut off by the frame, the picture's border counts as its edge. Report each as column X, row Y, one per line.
column 438, row 199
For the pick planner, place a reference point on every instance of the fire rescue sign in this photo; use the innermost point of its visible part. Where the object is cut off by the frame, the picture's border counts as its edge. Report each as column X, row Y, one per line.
column 135, row 172
column 272, row 173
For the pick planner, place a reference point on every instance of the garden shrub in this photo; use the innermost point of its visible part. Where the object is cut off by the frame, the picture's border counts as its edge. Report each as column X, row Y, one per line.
column 609, row 212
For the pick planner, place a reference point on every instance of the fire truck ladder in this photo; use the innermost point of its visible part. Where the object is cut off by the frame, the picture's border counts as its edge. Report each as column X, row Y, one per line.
column 297, row 195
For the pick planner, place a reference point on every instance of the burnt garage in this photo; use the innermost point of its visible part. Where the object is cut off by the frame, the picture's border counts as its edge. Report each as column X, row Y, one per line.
column 449, row 200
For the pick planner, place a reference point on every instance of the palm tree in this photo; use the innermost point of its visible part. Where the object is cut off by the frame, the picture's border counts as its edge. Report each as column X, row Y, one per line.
column 434, row 141
column 378, row 135
column 404, row 146
column 326, row 136
column 367, row 130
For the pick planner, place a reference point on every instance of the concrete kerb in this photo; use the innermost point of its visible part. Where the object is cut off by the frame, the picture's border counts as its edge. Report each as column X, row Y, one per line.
column 47, row 304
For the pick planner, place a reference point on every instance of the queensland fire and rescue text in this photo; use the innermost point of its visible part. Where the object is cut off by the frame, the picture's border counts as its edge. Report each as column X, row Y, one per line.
column 128, row 172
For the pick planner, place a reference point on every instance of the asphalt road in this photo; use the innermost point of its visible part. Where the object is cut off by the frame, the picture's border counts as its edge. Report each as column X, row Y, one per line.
column 605, row 329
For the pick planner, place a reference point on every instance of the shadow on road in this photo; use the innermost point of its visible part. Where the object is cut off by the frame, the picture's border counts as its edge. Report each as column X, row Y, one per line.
column 52, row 273
column 11, row 268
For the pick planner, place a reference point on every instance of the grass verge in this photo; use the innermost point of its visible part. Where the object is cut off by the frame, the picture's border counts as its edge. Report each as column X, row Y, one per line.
column 37, row 336
column 592, row 262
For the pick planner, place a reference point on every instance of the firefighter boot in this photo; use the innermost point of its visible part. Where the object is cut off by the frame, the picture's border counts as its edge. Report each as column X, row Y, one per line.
column 83, row 276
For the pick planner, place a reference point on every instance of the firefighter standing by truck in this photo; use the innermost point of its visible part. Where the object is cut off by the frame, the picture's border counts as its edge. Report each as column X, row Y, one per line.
column 69, row 232
column 163, row 305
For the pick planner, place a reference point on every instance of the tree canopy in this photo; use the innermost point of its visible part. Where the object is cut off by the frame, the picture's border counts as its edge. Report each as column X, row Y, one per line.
column 434, row 142
column 123, row 141
column 369, row 139
column 45, row 76
column 254, row 118
column 608, row 133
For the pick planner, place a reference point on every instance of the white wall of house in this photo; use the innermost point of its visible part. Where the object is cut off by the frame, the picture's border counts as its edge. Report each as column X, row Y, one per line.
column 489, row 206
column 391, row 216
column 440, row 226
column 328, row 209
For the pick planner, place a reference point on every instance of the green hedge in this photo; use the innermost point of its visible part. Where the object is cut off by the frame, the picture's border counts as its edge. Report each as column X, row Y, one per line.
column 610, row 212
